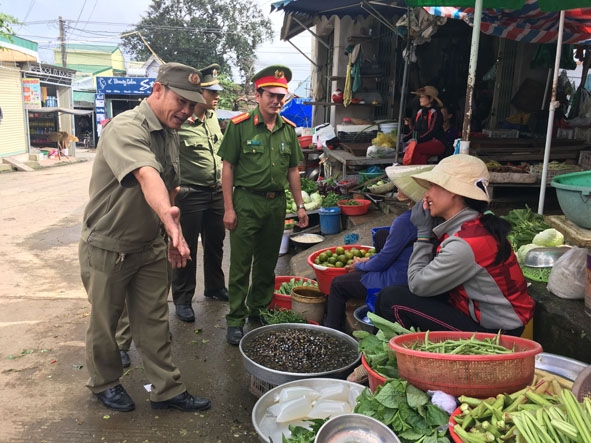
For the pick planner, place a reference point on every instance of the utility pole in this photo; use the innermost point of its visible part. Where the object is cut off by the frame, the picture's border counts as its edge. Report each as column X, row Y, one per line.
column 63, row 43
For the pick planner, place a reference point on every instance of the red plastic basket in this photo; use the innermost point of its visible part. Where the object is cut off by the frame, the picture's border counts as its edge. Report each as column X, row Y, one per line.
column 361, row 208
column 283, row 301
column 325, row 275
column 478, row 376
column 373, row 377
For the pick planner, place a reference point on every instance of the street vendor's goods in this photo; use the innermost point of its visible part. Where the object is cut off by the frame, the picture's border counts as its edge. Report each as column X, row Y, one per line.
column 354, row 206
column 480, row 375
column 355, row 428
column 285, row 352
column 524, row 416
column 326, row 394
column 330, row 262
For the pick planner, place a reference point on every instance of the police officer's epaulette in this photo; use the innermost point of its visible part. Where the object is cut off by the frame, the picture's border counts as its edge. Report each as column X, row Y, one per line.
column 240, row 118
column 289, row 122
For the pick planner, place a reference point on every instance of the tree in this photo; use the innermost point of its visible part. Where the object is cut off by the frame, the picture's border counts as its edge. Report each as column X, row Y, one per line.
column 6, row 22
column 200, row 32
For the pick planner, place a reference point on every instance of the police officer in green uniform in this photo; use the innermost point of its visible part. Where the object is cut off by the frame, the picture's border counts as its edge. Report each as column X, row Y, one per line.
column 260, row 153
column 123, row 252
column 200, row 200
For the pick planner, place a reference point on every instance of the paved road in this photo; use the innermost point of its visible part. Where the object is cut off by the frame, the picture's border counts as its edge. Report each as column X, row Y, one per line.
column 43, row 317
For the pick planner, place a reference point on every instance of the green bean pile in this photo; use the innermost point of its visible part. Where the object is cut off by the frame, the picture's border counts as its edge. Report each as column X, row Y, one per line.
column 470, row 346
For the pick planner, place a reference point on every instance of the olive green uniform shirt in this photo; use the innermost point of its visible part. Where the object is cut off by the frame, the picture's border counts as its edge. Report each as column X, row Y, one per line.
column 117, row 217
column 200, row 141
column 261, row 157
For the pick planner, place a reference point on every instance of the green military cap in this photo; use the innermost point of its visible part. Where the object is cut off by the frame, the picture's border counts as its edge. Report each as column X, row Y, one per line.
column 182, row 79
column 210, row 78
column 273, row 79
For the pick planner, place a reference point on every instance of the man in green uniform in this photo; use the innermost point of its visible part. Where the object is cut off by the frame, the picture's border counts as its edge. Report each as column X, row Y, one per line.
column 200, row 200
column 123, row 252
column 260, row 153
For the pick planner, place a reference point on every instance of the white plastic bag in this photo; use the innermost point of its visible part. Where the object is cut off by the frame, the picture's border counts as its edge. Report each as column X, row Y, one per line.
column 567, row 278
column 380, row 152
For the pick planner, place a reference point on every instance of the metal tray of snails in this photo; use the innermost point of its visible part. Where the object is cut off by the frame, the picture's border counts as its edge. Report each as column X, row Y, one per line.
column 286, row 352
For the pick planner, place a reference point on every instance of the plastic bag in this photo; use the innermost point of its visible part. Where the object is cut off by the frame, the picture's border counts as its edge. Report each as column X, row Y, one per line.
column 380, row 152
column 567, row 278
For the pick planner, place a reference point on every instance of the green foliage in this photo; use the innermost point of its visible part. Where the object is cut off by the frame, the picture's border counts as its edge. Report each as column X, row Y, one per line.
column 201, row 32
column 407, row 410
column 6, row 22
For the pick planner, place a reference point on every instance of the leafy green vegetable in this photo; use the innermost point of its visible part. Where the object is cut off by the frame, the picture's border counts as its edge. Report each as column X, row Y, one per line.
column 407, row 410
column 526, row 224
column 308, row 185
column 273, row 317
column 300, row 434
column 376, row 348
column 549, row 237
column 331, row 199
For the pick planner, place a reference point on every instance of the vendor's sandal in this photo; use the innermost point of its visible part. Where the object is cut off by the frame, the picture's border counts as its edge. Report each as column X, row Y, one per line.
column 359, row 375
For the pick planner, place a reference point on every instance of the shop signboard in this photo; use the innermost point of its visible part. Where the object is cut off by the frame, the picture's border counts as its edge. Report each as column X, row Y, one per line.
column 99, row 108
column 31, row 93
column 124, row 85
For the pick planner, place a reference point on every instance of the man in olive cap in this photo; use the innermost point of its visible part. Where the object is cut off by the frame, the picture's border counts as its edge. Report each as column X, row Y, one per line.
column 123, row 251
column 200, row 200
column 260, row 153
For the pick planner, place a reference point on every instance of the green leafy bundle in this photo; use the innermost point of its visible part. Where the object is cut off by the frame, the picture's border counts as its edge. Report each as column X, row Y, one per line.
column 525, row 225
column 407, row 410
column 301, row 434
column 376, row 348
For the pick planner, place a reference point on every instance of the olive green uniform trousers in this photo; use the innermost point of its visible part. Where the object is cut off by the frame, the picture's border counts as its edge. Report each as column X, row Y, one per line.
column 142, row 280
column 254, row 246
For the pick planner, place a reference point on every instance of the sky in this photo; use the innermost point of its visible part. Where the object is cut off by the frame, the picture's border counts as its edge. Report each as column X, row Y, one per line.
column 101, row 21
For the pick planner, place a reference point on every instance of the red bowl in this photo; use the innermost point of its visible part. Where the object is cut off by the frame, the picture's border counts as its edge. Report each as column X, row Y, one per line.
column 283, row 301
column 324, row 275
column 360, row 208
column 305, row 141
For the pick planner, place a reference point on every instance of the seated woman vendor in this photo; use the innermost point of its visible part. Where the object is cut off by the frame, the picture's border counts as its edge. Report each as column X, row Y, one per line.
column 463, row 274
column 390, row 265
column 425, row 135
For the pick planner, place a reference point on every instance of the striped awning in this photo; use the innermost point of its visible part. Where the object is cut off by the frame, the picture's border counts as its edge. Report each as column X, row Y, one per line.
column 528, row 24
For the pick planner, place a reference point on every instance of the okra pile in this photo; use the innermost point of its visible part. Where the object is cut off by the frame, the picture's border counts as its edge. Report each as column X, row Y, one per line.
column 525, row 416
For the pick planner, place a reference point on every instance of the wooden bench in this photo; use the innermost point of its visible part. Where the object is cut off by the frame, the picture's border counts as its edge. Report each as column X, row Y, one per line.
column 526, row 150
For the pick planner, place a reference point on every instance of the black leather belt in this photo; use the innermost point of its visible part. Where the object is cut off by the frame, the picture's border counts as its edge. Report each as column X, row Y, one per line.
column 205, row 188
column 267, row 194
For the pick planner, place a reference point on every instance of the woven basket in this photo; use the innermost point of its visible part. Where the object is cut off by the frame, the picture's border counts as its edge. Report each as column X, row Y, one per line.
column 478, row 376
column 259, row 387
column 537, row 170
column 381, row 189
column 536, row 274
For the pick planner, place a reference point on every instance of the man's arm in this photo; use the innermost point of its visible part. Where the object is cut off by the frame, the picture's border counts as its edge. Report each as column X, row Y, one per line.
column 293, row 177
column 159, row 199
column 230, row 219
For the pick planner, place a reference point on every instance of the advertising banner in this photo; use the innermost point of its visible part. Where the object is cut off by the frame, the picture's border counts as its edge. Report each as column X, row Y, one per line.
column 124, row 85
column 32, row 93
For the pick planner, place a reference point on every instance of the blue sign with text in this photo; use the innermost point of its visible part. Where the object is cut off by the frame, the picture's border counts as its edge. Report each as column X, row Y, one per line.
column 124, row 85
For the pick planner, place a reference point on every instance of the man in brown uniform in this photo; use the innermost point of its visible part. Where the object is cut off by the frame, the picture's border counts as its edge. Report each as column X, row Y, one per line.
column 123, row 252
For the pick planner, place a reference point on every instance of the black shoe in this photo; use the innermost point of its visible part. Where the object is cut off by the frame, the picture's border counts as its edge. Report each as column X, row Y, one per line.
column 185, row 313
column 257, row 319
column 183, row 402
column 217, row 294
column 125, row 361
column 116, row 398
column 234, row 335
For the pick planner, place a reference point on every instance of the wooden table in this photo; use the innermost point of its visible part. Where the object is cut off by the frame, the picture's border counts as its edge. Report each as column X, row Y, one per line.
column 528, row 150
column 348, row 159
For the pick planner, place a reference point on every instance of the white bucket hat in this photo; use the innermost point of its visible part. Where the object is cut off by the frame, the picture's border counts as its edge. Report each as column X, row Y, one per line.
column 401, row 176
column 459, row 174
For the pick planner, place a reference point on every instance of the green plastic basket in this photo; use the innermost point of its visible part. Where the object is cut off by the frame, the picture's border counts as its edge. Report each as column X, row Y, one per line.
column 536, row 274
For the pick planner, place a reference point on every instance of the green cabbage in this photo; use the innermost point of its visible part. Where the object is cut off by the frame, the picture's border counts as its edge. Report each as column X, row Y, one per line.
column 549, row 237
column 523, row 250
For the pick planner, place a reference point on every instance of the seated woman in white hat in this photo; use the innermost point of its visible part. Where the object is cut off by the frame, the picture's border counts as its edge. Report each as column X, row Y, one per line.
column 390, row 265
column 463, row 274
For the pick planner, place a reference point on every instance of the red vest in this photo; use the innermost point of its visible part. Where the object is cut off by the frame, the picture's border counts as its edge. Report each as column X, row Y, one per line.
column 507, row 275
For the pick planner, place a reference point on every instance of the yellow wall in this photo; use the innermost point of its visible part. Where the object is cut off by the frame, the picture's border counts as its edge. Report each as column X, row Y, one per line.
column 13, row 135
